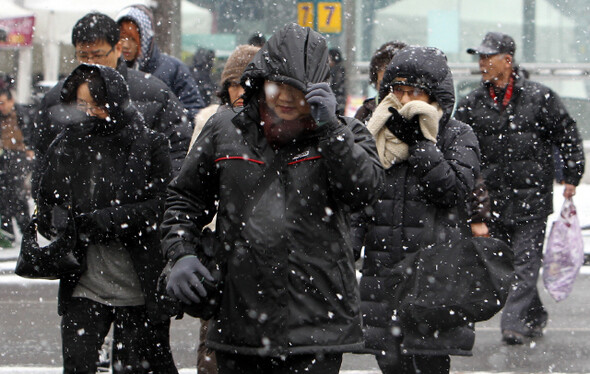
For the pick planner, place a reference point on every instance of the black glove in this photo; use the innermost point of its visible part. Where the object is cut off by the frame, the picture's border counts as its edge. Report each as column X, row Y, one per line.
column 91, row 227
column 186, row 277
column 323, row 103
column 406, row 130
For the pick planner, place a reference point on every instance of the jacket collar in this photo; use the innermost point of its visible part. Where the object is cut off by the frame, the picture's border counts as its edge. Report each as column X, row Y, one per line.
column 519, row 81
column 247, row 121
column 150, row 62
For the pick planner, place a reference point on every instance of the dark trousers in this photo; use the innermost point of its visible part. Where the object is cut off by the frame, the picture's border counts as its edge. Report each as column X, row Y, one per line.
column 206, row 362
column 393, row 362
column 138, row 345
column 523, row 310
column 416, row 364
column 228, row 363
column 13, row 194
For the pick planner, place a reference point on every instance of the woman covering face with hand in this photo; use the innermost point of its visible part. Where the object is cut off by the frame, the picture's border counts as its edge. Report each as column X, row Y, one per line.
column 431, row 161
column 110, row 172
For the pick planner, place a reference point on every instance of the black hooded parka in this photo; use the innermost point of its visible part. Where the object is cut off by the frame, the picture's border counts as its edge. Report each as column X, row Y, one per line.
column 418, row 208
column 290, row 286
column 117, row 174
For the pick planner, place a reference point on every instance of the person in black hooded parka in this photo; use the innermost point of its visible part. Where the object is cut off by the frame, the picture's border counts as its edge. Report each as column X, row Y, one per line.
column 431, row 161
column 290, row 301
column 111, row 172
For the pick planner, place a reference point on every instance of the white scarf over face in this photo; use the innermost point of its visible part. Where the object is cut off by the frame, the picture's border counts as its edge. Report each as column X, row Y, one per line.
column 391, row 149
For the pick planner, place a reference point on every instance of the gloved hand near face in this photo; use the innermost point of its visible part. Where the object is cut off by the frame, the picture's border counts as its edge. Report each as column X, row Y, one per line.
column 186, row 280
column 406, row 130
column 323, row 103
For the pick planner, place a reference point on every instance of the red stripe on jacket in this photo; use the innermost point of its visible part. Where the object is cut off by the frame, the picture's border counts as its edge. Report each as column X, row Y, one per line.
column 304, row 159
column 239, row 158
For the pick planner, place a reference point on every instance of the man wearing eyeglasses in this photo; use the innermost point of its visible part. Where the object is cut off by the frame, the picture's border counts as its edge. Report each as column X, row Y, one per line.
column 517, row 122
column 96, row 41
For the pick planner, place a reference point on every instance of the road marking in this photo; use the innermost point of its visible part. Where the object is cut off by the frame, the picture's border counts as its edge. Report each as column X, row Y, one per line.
column 15, row 279
column 58, row 370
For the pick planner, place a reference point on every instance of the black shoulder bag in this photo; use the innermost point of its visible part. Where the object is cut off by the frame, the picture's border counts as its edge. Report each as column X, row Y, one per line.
column 58, row 259
column 450, row 284
column 53, row 261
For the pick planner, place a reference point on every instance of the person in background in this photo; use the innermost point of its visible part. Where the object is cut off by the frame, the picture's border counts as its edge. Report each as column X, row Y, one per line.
column 377, row 66
column 95, row 38
column 110, row 173
column 15, row 156
column 290, row 298
column 230, row 95
column 338, row 79
column 203, row 61
column 431, row 161
column 257, row 39
column 517, row 123
column 140, row 52
column 231, row 91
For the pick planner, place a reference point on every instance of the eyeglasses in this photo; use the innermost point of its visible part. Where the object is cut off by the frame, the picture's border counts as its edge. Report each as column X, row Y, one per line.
column 85, row 56
column 85, row 107
column 413, row 92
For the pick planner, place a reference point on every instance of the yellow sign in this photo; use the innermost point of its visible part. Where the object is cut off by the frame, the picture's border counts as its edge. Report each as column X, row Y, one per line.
column 305, row 16
column 330, row 17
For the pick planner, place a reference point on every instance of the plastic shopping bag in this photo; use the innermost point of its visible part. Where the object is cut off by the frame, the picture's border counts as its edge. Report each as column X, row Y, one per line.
column 564, row 254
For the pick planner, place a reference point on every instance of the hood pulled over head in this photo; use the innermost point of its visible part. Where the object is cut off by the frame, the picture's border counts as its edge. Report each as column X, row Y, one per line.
column 144, row 19
column 117, row 93
column 294, row 55
column 426, row 68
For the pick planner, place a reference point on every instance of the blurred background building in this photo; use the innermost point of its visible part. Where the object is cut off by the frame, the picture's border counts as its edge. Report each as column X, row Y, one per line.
column 553, row 36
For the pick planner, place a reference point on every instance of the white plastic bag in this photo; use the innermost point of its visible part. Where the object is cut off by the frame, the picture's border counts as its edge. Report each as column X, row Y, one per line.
column 564, row 255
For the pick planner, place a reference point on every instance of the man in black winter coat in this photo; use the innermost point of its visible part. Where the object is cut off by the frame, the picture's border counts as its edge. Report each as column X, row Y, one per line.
column 517, row 123
column 96, row 40
column 290, row 298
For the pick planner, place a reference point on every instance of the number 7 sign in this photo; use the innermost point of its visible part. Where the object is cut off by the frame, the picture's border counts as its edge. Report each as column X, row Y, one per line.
column 330, row 17
column 305, row 14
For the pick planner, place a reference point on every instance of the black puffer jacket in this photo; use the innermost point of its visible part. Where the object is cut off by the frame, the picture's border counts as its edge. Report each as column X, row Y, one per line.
column 290, row 285
column 516, row 147
column 418, row 208
column 119, row 178
column 160, row 109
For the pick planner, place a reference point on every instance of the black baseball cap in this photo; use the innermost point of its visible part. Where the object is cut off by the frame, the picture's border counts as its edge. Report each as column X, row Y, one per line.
column 494, row 43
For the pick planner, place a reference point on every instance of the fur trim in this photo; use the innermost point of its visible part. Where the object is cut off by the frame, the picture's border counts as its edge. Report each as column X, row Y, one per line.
column 391, row 150
column 200, row 119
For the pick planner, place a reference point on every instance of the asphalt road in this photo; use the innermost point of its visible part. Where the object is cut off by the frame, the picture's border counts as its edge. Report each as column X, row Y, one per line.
column 29, row 335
